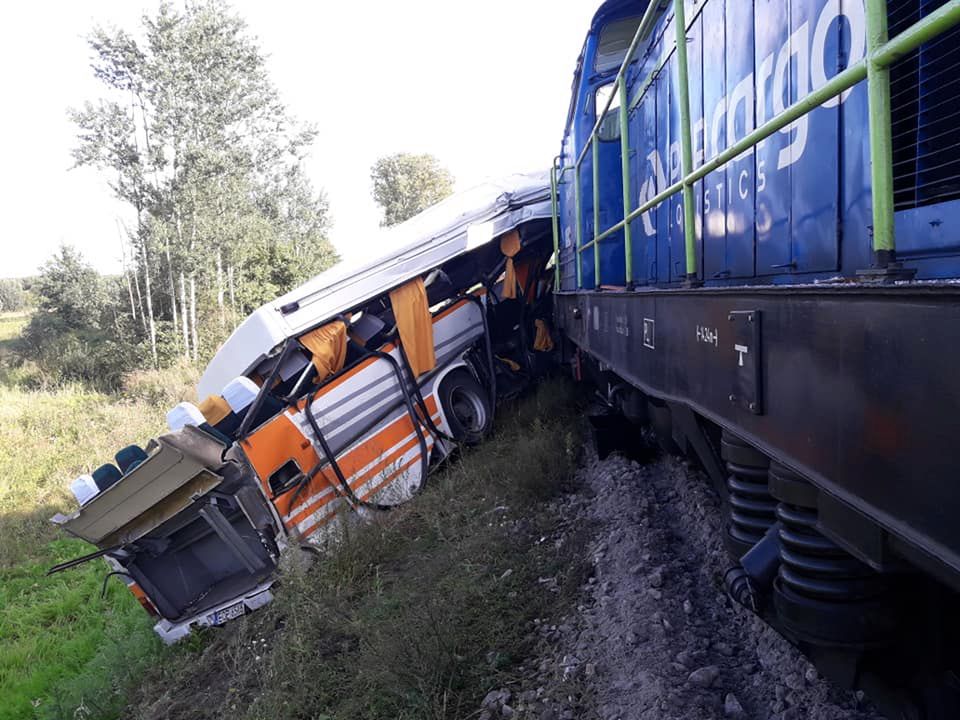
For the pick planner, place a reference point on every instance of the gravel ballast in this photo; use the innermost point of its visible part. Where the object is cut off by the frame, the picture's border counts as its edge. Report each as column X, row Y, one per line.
column 653, row 634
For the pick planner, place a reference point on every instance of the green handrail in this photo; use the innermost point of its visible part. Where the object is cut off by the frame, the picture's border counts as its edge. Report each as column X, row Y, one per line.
column 882, row 52
column 686, row 142
column 625, row 169
column 579, row 235
column 596, row 211
column 556, row 224
column 881, row 129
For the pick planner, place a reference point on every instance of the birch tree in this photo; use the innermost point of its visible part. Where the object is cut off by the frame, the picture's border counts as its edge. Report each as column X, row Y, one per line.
column 192, row 135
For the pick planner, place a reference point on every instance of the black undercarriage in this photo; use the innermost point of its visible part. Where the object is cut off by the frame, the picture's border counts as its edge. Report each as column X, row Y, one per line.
column 824, row 416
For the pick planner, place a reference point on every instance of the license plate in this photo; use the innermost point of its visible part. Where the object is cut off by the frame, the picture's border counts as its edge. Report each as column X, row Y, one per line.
column 228, row 613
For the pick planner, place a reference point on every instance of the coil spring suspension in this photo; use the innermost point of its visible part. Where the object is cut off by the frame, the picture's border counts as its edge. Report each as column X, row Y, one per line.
column 822, row 593
column 752, row 508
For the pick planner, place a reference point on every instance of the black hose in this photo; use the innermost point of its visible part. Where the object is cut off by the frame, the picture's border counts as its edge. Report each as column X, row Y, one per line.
column 103, row 588
column 411, row 411
column 427, row 421
column 750, row 581
column 331, row 458
column 264, row 390
column 491, row 368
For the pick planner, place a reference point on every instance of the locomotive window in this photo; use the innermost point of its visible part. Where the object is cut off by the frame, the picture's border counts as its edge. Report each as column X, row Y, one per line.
column 610, row 127
column 615, row 40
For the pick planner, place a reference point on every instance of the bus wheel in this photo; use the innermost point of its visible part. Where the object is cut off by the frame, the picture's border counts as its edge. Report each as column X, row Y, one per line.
column 466, row 407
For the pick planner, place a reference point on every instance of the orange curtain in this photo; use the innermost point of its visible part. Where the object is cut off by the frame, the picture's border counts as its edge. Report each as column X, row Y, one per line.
column 214, row 409
column 415, row 324
column 510, row 246
column 328, row 345
column 523, row 269
column 543, row 342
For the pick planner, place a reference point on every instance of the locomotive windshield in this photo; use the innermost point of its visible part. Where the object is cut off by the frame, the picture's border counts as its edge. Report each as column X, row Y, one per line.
column 615, row 39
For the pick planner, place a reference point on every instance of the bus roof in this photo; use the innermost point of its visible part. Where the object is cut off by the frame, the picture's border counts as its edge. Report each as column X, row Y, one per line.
column 452, row 227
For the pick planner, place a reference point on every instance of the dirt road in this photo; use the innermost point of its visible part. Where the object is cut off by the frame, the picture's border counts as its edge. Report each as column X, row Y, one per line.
column 654, row 634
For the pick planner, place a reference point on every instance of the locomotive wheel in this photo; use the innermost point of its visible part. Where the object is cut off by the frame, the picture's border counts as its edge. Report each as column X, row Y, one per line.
column 466, row 407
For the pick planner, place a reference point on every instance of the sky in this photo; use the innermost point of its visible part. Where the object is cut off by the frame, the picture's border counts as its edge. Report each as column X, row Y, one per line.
column 483, row 86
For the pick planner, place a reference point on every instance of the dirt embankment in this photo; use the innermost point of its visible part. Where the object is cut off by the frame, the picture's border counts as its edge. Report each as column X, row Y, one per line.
column 654, row 634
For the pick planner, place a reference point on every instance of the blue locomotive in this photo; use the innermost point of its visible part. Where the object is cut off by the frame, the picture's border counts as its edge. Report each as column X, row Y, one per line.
column 755, row 212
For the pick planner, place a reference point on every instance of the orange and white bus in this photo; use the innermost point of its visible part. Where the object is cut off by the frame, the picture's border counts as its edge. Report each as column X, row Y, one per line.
column 337, row 399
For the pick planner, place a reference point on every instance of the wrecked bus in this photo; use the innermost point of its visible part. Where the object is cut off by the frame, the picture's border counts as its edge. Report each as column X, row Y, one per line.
column 338, row 398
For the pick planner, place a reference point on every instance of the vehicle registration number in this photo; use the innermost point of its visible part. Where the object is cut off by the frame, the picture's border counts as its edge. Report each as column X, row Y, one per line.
column 228, row 613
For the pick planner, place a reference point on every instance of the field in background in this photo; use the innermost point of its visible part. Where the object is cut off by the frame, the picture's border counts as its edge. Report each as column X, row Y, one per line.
column 58, row 638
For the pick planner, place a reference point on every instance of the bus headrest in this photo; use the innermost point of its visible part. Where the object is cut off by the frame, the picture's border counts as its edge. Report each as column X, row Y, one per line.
column 106, row 476
column 184, row 414
column 240, row 393
column 84, row 488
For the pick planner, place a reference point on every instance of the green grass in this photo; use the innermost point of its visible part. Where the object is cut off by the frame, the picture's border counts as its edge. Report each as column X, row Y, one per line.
column 56, row 631
column 61, row 645
column 46, row 439
column 12, row 324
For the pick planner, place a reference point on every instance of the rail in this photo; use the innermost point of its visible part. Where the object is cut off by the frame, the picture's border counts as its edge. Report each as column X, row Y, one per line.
column 881, row 52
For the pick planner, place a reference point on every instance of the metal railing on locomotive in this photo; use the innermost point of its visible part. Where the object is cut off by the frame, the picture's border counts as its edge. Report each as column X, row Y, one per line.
column 874, row 67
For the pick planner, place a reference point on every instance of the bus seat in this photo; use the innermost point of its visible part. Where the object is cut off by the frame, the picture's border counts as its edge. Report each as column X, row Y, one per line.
column 106, row 476
column 130, row 457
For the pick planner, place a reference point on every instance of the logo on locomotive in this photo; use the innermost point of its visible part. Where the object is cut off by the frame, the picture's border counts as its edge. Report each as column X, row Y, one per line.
column 800, row 58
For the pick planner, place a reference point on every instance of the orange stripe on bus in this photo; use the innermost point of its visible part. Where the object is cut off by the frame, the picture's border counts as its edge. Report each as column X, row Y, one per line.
column 355, row 460
column 326, row 519
column 305, row 510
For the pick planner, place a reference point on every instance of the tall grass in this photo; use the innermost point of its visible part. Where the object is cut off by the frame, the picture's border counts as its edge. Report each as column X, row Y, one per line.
column 61, row 645
column 47, row 438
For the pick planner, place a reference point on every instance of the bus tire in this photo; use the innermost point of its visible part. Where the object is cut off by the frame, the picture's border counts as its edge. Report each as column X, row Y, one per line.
column 466, row 407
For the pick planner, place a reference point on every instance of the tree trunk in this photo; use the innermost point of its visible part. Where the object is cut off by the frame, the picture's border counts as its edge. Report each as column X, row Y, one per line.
column 178, row 224
column 173, row 286
column 126, row 273
column 183, row 314
column 136, row 284
column 133, row 307
column 153, row 327
column 233, row 299
column 220, row 292
column 193, row 316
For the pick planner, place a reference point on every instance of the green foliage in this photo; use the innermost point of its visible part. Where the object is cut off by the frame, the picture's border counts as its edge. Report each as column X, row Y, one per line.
column 71, row 291
column 405, row 184
column 77, row 333
column 193, row 136
column 13, row 296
